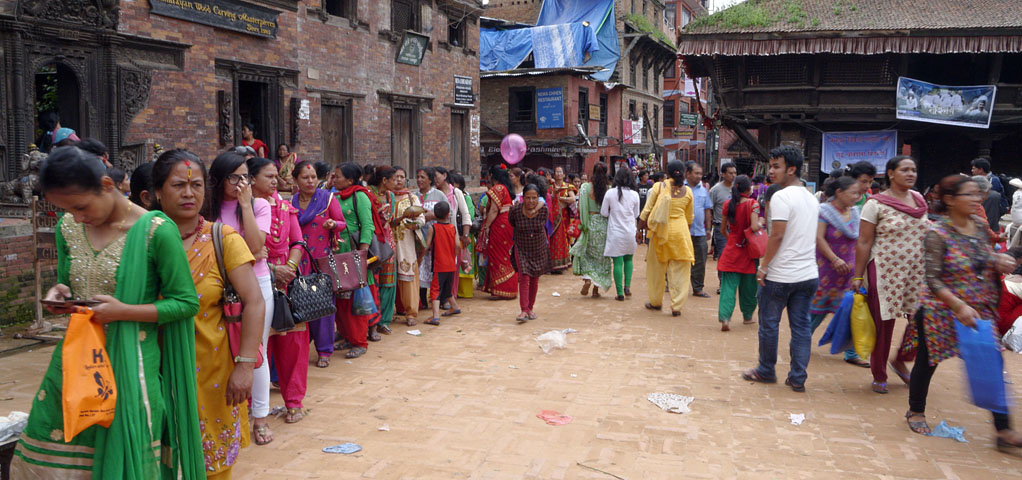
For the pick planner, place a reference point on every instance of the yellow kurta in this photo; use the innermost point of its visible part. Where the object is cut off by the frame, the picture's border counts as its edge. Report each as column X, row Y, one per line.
column 224, row 428
column 670, row 253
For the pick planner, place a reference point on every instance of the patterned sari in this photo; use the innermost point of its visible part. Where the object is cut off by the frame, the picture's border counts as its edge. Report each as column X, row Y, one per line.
column 501, row 279
column 560, row 258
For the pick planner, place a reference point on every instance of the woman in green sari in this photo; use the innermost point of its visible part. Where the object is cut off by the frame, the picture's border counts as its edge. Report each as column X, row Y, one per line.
column 587, row 252
column 131, row 263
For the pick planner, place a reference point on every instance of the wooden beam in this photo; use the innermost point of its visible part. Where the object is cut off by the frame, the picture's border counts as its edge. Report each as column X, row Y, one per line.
column 635, row 39
column 749, row 140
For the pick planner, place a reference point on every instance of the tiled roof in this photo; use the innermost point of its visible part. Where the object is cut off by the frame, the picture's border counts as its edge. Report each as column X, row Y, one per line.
column 791, row 16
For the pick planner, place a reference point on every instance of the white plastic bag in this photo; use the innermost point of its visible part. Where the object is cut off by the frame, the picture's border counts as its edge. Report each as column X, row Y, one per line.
column 551, row 340
column 1013, row 337
column 12, row 425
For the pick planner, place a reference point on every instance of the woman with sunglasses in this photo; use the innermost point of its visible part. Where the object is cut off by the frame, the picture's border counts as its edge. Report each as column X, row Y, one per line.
column 231, row 203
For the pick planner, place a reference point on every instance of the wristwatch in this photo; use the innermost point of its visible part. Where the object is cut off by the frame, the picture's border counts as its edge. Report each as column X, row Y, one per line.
column 240, row 359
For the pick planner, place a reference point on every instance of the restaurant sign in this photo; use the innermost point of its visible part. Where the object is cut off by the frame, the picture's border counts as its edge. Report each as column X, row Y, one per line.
column 463, row 94
column 226, row 14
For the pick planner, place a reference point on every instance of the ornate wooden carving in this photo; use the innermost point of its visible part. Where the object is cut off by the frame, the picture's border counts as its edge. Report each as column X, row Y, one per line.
column 294, row 106
column 134, row 94
column 93, row 13
column 224, row 113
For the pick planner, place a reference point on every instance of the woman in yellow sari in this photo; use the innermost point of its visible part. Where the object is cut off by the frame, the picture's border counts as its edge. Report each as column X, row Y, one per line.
column 406, row 224
column 667, row 215
column 224, row 379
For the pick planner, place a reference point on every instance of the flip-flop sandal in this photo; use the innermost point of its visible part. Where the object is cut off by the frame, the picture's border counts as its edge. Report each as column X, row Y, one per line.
column 355, row 352
column 294, row 415
column 411, row 322
column 259, row 434
column 532, row 316
column 904, row 377
column 323, row 362
column 753, row 376
column 343, row 345
column 449, row 314
column 922, row 427
column 432, row 321
column 880, row 387
column 522, row 318
column 701, row 295
column 858, row 362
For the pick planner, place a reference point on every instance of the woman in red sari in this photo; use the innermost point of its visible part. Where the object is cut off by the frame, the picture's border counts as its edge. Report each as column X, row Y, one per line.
column 563, row 194
column 496, row 241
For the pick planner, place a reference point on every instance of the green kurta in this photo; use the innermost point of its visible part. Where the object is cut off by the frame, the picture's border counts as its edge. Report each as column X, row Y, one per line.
column 358, row 216
column 154, row 413
column 587, row 252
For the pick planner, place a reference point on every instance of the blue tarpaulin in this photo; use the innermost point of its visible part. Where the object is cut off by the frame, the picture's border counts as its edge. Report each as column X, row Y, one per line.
column 600, row 15
column 559, row 39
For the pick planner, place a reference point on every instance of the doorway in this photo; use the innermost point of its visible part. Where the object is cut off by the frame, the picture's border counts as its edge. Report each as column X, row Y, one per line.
column 57, row 90
column 402, row 138
column 336, row 128
column 253, row 108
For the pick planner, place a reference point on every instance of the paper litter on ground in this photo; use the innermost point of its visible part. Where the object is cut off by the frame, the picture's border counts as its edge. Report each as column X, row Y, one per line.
column 797, row 418
column 671, row 402
column 385, row 428
column 417, row 333
column 947, row 431
column 553, row 418
column 569, row 330
column 551, row 340
column 345, row 448
column 556, row 294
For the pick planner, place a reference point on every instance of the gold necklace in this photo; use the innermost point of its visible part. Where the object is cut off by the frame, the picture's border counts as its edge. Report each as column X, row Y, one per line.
column 120, row 224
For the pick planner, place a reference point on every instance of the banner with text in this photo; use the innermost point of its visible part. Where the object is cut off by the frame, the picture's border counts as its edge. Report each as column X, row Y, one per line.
column 841, row 149
column 227, row 14
column 970, row 106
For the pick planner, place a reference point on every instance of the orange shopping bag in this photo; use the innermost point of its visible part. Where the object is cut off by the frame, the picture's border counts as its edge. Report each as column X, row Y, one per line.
column 88, row 384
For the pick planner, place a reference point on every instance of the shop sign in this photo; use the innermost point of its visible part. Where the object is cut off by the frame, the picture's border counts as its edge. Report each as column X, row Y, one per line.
column 463, row 90
column 413, row 48
column 226, row 14
column 550, row 107
column 688, row 119
column 594, row 112
column 682, row 133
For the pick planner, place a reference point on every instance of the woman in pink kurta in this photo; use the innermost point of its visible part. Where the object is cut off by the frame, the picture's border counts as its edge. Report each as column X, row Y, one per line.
column 288, row 350
column 320, row 217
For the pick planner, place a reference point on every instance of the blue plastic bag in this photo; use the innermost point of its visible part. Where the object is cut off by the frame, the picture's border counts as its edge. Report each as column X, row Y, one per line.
column 983, row 365
column 839, row 330
column 362, row 302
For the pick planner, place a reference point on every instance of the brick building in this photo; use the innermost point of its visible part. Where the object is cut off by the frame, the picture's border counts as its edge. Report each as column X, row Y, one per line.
column 371, row 81
column 646, row 48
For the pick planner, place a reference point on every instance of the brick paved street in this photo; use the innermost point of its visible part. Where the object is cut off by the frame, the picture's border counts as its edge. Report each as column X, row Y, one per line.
column 461, row 402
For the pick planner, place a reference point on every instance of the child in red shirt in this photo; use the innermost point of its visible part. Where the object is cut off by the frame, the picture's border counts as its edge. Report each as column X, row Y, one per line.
column 445, row 246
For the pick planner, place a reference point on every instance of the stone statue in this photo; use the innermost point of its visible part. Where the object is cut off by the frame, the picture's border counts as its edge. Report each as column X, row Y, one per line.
column 20, row 190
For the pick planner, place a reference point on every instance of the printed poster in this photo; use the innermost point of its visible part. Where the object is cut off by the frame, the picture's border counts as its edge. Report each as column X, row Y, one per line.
column 964, row 106
column 841, row 149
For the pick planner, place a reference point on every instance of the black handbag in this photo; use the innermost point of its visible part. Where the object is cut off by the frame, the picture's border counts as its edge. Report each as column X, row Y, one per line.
column 283, row 319
column 311, row 296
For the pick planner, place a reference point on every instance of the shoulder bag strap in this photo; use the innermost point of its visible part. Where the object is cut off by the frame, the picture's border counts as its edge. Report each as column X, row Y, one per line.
column 218, row 247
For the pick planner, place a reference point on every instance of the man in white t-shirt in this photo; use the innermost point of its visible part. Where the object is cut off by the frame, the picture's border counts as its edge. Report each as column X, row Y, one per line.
column 787, row 273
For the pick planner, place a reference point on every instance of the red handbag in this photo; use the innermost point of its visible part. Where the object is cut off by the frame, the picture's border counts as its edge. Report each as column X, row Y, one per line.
column 574, row 228
column 755, row 243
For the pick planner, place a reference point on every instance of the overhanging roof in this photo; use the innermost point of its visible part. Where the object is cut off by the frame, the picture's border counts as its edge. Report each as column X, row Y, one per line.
column 522, row 72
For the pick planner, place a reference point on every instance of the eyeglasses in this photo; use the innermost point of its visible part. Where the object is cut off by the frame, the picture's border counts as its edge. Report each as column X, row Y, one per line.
column 235, row 179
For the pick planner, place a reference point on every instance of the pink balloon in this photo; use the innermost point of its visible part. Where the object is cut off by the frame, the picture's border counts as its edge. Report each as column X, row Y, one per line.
column 512, row 148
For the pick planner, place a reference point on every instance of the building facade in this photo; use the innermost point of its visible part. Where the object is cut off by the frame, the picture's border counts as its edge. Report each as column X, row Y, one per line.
column 684, row 134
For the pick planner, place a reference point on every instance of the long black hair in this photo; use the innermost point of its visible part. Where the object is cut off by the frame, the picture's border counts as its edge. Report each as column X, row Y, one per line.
column 116, row 174
column 48, row 121
column 165, row 163
column 351, row 171
column 501, row 176
column 257, row 164
column 223, row 166
column 676, row 172
column 72, row 167
column 141, row 181
column 623, row 179
column 600, row 182
column 741, row 185
column 381, row 173
column 302, row 165
column 840, row 183
column 539, row 182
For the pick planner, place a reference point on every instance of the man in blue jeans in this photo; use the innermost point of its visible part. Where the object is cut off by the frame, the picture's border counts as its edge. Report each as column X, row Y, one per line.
column 787, row 274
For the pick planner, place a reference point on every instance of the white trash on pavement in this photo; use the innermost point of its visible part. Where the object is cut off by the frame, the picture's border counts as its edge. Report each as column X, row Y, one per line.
column 671, row 402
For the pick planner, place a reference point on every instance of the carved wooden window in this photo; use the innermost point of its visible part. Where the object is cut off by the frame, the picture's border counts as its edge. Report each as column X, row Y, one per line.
column 459, row 140
column 669, row 113
column 341, row 8
column 669, row 73
column 404, row 15
column 631, row 110
column 656, row 121
column 858, row 70
column 777, row 70
column 603, row 114
column 583, row 108
column 645, row 76
column 633, row 70
column 522, row 110
column 456, row 28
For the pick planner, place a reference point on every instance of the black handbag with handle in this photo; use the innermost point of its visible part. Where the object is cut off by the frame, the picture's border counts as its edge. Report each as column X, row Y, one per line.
column 283, row 319
column 311, row 296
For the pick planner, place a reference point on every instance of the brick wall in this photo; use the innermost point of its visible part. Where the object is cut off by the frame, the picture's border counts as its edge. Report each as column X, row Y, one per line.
column 522, row 11
column 331, row 56
column 17, row 278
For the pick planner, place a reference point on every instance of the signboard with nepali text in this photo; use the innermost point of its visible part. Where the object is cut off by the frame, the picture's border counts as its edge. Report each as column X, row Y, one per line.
column 841, row 149
column 970, row 106
column 226, row 14
column 463, row 90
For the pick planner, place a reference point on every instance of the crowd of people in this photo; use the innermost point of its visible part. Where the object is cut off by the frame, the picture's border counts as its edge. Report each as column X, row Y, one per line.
column 162, row 255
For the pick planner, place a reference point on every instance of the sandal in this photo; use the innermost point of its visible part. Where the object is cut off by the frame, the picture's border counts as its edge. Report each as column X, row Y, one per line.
column 524, row 317
column 922, row 427
column 753, row 376
column 451, row 313
column 1007, row 446
column 596, row 292
column 343, row 345
column 532, row 315
column 356, row 352
column 585, row 288
column 294, row 415
column 323, row 362
column 261, row 434
column 675, row 313
column 628, row 292
column 725, row 327
column 794, row 386
column 880, row 387
column 905, row 377
column 411, row 321
column 701, row 294
column 374, row 336
column 649, row 306
column 384, row 329
column 858, row 362
column 433, row 321
column 274, row 385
